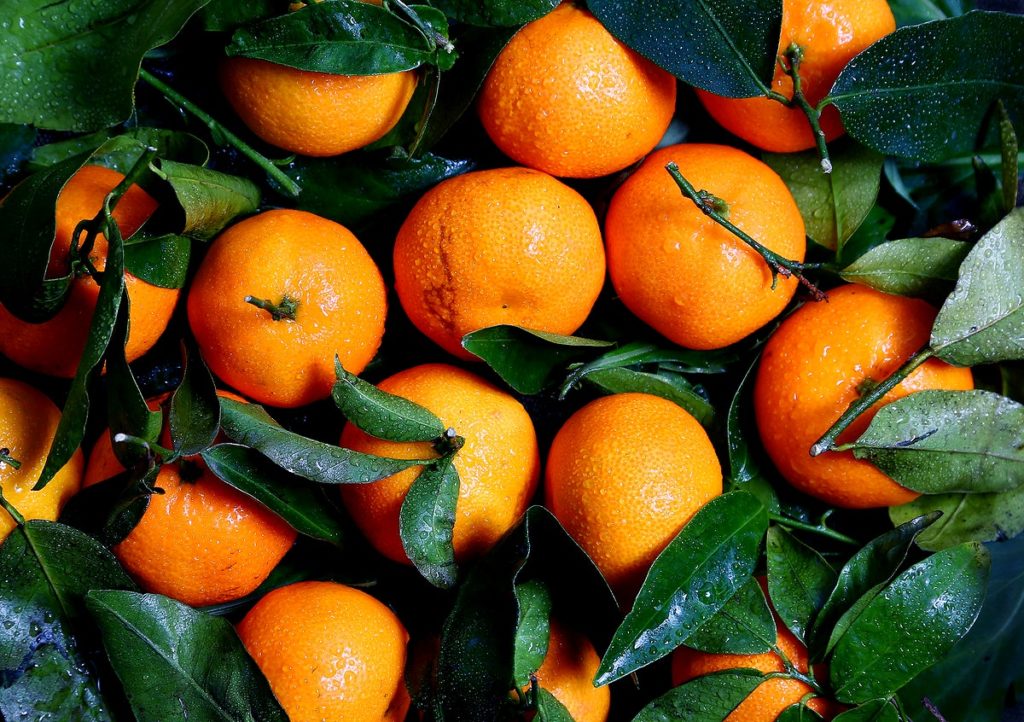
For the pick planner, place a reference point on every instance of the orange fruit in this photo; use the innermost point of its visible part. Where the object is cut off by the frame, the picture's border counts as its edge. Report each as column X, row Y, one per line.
column 568, row 673
column 830, row 34
column 624, row 475
column 813, row 367
column 498, row 466
column 28, row 423
column 298, row 261
column 682, row 273
column 510, row 245
column 55, row 346
column 567, row 98
column 330, row 652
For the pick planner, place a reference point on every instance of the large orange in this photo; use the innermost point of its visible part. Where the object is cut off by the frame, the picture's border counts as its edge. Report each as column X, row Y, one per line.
column 330, row 652
column 28, row 423
column 830, row 32
column 814, row 366
column 55, row 346
column 292, row 259
column 624, row 475
column 568, row 673
column 683, row 274
column 498, row 466
column 510, row 245
column 566, row 97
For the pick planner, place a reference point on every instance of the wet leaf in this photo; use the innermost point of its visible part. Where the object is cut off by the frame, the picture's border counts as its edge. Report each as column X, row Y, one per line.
column 799, row 713
column 426, row 522
column 127, row 409
column 1010, row 160
column 966, row 517
column 549, row 709
column 910, row 266
column 210, row 199
column 381, row 414
column 161, row 261
column 706, row 699
column 744, row 472
column 876, row 710
column 745, row 625
column 496, row 13
column 222, row 15
column 195, row 409
column 912, row 12
column 799, row 580
column 533, row 631
column 666, row 384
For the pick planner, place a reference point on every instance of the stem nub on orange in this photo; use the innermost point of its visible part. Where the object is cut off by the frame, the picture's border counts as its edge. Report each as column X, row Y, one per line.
column 568, row 673
column 813, row 367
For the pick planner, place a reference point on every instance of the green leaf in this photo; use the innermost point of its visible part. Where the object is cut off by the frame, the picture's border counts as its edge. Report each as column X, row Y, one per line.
column 744, row 472
column 983, row 320
column 923, row 91
column 876, row 710
column 291, row 498
column 799, row 713
column 1010, row 161
column 426, row 522
column 690, row 581
column 224, row 15
column 110, row 509
column 939, row 442
column 727, row 47
column 642, row 355
column 120, row 150
column 910, row 266
column 496, row 13
column 73, row 66
column 910, row 625
column 533, row 631
column 210, row 199
column 666, row 384
column 250, row 425
column 15, row 148
column 833, row 205
column 381, row 414
column 195, row 409
column 913, row 12
column 799, row 580
column 161, row 261
column 549, row 709
column 966, row 517
column 710, row 698
column 179, row 664
column 745, row 625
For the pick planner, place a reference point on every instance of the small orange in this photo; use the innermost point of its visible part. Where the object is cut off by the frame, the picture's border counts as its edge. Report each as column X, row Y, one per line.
column 328, row 290
column 568, row 673
column 811, row 370
column 55, row 346
column 683, row 274
column 510, row 245
column 830, row 33
column 28, row 423
column 330, row 652
column 624, row 475
column 498, row 466
column 567, row 98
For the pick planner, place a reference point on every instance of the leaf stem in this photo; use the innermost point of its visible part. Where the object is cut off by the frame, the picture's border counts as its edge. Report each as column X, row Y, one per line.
column 790, row 63
column 9, row 508
column 290, row 186
column 827, row 442
column 820, row 529
column 6, row 458
column 434, row 38
column 714, row 208
column 283, row 311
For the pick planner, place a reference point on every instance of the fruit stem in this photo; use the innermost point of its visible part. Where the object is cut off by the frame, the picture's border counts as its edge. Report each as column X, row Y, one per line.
column 433, row 37
column 9, row 508
column 278, row 311
column 790, row 64
column 827, row 442
column 820, row 529
column 6, row 458
column 290, row 186
column 152, row 449
column 712, row 206
column 448, row 443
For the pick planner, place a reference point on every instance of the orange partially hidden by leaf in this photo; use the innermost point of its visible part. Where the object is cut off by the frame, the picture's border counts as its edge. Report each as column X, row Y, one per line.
column 568, row 674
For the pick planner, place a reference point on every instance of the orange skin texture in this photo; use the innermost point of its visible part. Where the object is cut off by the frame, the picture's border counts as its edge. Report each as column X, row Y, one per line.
column 568, row 673
column 498, row 466
column 509, row 245
column 311, row 260
column 315, row 114
column 624, row 475
column 330, row 652
column 830, row 32
column 810, row 372
column 567, row 98
column 683, row 274
column 54, row 347
column 28, row 423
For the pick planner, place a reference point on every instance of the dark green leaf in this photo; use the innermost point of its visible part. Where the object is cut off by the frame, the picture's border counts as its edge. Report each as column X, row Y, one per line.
column 120, row 150
column 799, row 580
column 427, row 520
column 727, row 47
column 923, row 91
column 640, row 355
column 966, row 517
column 910, row 625
column 799, row 713
column 549, row 709
column 179, row 664
column 666, row 384
column 745, row 625
column 161, row 261
column 743, row 470
column 496, row 13
column 381, row 414
column 910, row 266
column 1010, row 161
column 210, row 199
column 72, row 66
column 533, row 631
column 913, row 12
column 110, row 509
column 690, row 581
column 195, row 409
column 223, row 15
column 706, row 699
column 876, row 710
column 15, row 148
column 250, row 425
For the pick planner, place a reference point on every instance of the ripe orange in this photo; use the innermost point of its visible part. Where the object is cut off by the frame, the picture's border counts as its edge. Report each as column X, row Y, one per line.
column 498, row 465
column 830, row 33
column 28, row 423
column 566, row 97
column 624, row 475
column 296, row 260
column 330, row 652
column 568, row 674
column 55, row 346
column 811, row 370
column 510, row 245
column 686, row 276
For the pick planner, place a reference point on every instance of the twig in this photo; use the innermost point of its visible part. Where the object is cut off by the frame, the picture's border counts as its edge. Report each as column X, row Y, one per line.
column 790, row 63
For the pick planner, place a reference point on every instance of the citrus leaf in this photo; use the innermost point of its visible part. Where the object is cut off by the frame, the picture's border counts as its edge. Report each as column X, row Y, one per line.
column 549, row 709
column 1010, row 160
column 224, row 15
column 745, row 625
column 16, row 143
column 799, row 713
column 744, row 472
column 799, row 580
column 966, row 517
column 910, row 266
column 666, row 384
column 496, row 13
column 875, row 710
column 913, row 12
column 427, row 520
column 110, row 509
column 160, row 261
column 710, row 698
column 209, row 199
column 120, row 150
column 533, row 631
column 195, row 410
column 381, row 414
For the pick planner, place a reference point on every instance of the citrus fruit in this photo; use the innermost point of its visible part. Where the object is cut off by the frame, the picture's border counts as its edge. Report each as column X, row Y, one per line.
column 28, row 423
column 510, row 245
column 568, row 674
column 567, row 98
column 320, row 294
column 829, row 34
column 682, row 273
column 815, row 365
column 330, row 652
column 624, row 475
column 55, row 346
column 498, row 465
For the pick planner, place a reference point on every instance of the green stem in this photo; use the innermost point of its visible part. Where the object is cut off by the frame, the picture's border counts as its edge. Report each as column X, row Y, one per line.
column 6, row 458
column 448, row 443
column 827, row 442
column 9, row 508
column 713, row 208
column 794, row 55
column 283, row 311
column 151, row 448
column 820, row 530
column 434, row 38
column 290, row 186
